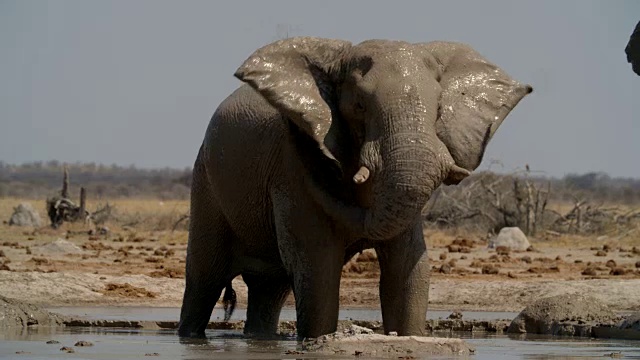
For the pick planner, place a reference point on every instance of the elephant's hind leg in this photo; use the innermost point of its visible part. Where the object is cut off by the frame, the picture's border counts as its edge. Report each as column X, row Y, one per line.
column 209, row 263
column 266, row 298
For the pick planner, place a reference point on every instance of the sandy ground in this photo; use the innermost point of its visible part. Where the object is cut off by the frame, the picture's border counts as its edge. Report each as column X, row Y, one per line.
column 129, row 269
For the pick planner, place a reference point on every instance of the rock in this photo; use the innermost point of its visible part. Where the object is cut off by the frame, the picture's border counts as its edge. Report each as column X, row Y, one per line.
column 351, row 342
column 628, row 328
column 25, row 215
column 453, row 248
column 455, row 315
column 619, row 271
column 464, row 243
column 490, row 270
column 83, row 343
column 503, row 250
column 573, row 314
column 445, row 269
column 511, row 237
column 14, row 313
column 60, row 246
column 631, row 322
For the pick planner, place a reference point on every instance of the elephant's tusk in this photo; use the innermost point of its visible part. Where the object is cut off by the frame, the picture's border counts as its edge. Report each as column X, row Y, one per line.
column 362, row 175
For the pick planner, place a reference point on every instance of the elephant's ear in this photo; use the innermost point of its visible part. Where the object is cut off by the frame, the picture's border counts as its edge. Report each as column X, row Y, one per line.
column 476, row 97
column 289, row 73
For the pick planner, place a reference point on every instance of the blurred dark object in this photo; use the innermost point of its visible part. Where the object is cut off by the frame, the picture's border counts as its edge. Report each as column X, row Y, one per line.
column 633, row 50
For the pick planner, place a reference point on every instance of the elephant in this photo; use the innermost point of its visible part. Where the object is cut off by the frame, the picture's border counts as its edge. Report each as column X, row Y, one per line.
column 326, row 149
column 632, row 50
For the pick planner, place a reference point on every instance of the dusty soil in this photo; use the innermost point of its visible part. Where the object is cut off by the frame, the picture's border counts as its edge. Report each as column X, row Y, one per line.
column 126, row 268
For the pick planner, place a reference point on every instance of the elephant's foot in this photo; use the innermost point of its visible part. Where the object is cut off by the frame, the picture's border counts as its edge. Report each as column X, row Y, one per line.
column 196, row 311
column 266, row 298
column 404, row 283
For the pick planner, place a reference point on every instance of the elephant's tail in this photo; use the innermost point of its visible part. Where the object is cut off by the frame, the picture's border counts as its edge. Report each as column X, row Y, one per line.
column 229, row 301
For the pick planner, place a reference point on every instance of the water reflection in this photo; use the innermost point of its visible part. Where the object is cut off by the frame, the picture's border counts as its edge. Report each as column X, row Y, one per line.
column 113, row 343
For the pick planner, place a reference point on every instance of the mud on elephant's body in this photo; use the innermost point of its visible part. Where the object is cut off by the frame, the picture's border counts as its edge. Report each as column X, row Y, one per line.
column 330, row 148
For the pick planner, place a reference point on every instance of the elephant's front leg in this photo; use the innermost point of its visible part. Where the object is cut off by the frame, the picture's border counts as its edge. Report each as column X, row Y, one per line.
column 315, row 263
column 313, row 257
column 404, row 282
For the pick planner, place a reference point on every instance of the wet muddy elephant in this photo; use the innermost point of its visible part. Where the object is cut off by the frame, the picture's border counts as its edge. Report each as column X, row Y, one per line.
column 327, row 149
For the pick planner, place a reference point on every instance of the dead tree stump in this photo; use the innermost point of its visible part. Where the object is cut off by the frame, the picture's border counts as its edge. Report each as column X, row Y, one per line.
column 61, row 208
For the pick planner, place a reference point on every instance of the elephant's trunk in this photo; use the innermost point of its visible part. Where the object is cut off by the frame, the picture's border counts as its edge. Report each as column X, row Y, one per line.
column 410, row 168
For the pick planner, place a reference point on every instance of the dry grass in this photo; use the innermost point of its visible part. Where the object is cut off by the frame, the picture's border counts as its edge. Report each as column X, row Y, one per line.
column 587, row 241
column 131, row 218
column 146, row 218
column 143, row 207
column 437, row 238
column 148, row 214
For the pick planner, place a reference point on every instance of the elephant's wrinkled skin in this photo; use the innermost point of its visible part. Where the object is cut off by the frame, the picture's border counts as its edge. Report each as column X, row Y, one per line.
column 330, row 148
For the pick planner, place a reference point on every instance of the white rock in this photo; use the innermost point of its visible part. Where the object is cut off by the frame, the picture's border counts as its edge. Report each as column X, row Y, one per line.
column 60, row 246
column 511, row 237
column 25, row 215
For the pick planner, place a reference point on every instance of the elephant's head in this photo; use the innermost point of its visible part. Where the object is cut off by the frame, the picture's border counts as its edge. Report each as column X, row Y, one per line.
column 417, row 114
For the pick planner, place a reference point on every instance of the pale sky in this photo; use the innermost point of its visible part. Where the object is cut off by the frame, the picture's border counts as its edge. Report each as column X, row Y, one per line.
column 136, row 82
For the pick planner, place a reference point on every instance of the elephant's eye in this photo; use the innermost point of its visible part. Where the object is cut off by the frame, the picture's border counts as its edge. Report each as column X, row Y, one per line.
column 358, row 107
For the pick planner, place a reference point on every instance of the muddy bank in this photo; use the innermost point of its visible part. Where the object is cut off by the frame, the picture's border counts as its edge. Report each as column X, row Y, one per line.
column 575, row 315
column 289, row 327
column 360, row 341
column 571, row 315
column 468, row 294
column 432, row 327
column 18, row 314
column 147, row 269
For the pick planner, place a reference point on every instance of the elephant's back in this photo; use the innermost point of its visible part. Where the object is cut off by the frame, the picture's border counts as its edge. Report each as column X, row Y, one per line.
column 244, row 136
column 241, row 154
column 244, row 109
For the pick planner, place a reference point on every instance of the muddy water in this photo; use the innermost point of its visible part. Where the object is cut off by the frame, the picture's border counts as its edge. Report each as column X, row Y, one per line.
column 154, row 344
column 114, row 343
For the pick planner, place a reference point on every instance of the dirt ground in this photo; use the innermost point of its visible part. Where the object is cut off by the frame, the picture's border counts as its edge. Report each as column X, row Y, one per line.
column 126, row 267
